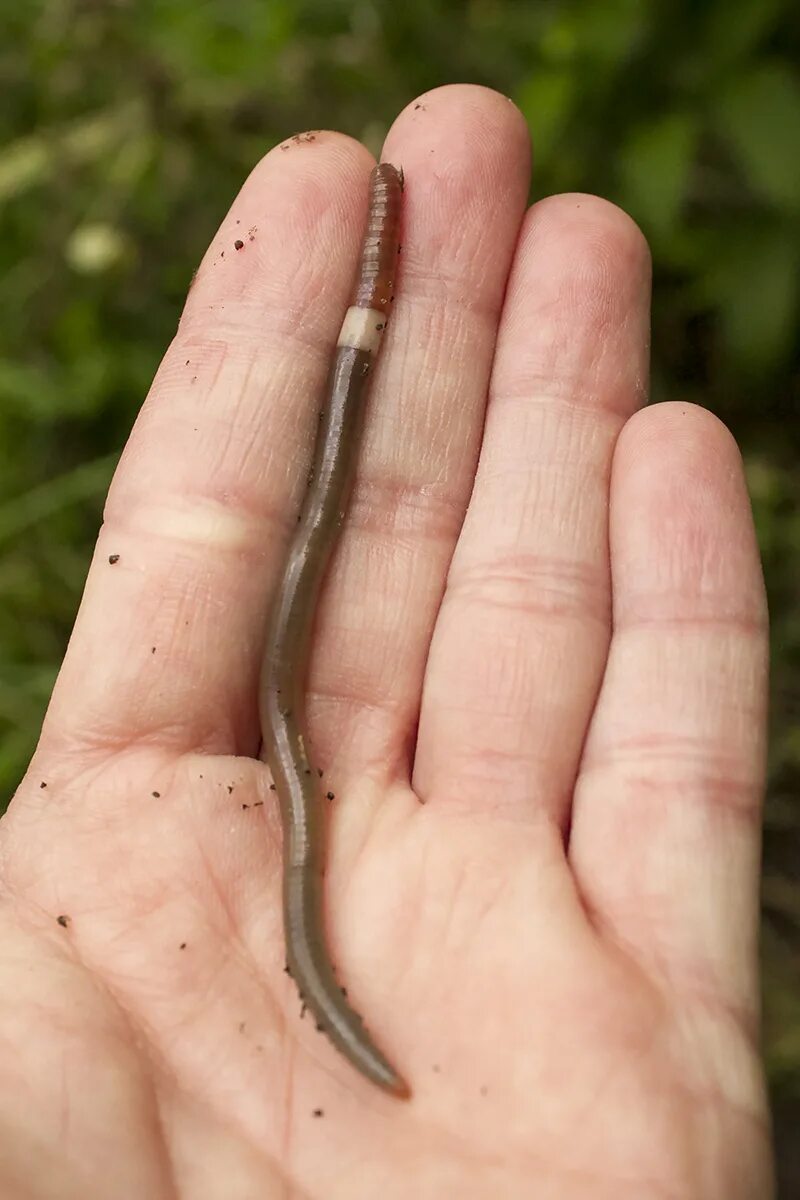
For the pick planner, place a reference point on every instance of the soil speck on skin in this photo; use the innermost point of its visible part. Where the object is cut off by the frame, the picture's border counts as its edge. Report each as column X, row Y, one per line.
column 318, row 1112
column 182, row 946
column 157, row 795
column 187, row 362
column 63, row 921
column 272, row 787
column 244, row 806
column 230, row 788
column 297, row 139
column 251, row 233
column 113, row 558
column 42, row 784
column 152, row 649
column 238, row 244
column 258, row 804
column 329, row 796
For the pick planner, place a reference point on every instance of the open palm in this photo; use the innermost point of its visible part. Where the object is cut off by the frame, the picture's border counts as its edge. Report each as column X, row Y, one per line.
column 537, row 695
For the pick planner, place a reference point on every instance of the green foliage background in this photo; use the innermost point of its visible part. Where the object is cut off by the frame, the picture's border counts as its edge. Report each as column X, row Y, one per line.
column 127, row 126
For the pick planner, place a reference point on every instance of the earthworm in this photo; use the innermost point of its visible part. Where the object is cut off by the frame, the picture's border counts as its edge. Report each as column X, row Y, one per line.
column 282, row 690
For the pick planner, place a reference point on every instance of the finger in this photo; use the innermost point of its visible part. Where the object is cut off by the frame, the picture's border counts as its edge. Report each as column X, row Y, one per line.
column 523, row 630
column 167, row 642
column 465, row 156
column 665, row 835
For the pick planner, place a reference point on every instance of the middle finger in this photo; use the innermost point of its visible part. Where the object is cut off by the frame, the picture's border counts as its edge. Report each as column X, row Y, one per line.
column 465, row 155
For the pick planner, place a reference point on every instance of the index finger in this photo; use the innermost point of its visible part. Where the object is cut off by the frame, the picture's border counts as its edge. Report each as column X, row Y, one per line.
column 166, row 643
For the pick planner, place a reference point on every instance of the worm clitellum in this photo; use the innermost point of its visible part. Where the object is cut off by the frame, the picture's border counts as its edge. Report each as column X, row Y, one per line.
column 282, row 692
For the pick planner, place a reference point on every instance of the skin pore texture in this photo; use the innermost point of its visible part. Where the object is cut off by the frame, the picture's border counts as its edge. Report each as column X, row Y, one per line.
column 283, row 681
column 536, row 688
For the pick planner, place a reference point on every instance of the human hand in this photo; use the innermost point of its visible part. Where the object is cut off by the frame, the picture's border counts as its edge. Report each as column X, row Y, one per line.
column 550, row 628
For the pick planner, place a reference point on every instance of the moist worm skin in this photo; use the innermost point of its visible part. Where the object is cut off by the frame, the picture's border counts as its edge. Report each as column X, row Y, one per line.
column 282, row 692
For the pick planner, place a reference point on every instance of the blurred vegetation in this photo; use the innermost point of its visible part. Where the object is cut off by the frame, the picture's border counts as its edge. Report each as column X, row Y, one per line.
column 128, row 125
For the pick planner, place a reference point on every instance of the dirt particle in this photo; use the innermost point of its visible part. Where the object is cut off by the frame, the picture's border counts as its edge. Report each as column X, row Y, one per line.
column 187, row 362
column 182, row 946
column 43, row 784
column 113, row 558
column 297, row 139
column 63, row 921
column 152, row 649
column 244, row 806
column 319, row 772
column 230, row 788
column 156, row 795
column 329, row 796
column 258, row 804
column 251, row 233
column 238, row 244
column 318, row 1112
column 272, row 787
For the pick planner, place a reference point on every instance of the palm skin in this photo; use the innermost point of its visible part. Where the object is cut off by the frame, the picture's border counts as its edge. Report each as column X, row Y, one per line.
column 537, row 692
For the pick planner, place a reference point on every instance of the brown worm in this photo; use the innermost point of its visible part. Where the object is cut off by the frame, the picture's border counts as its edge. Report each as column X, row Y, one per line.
column 282, row 692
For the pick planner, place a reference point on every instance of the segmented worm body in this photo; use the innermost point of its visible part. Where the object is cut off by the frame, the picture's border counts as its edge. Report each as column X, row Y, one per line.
column 282, row 695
